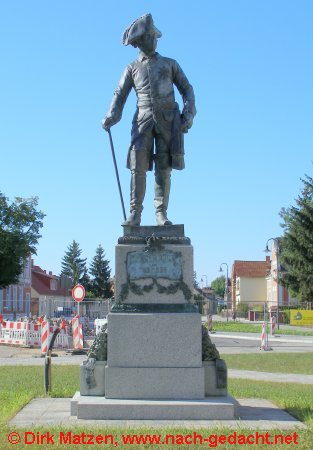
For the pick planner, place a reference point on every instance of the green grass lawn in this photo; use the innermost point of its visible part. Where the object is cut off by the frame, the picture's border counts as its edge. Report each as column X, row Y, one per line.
column 272, row 362
column 18, row 385
column 255, row 328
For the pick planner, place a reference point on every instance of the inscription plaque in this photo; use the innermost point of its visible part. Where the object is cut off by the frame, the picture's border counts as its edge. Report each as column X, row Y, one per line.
column 157, row 264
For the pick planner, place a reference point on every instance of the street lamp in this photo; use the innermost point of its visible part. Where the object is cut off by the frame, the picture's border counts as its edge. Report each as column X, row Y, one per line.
column 267, row 250
column 226, row 287
column 205, row 298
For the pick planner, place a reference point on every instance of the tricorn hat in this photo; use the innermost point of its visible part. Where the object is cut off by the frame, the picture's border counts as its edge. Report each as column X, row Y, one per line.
column 142, row 25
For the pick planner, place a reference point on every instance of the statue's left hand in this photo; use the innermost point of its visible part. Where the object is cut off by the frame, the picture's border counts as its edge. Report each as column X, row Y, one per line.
column 186, row 122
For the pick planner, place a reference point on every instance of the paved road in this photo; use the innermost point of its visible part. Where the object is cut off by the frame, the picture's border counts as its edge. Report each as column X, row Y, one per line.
column 226, row 343
column 19, row 356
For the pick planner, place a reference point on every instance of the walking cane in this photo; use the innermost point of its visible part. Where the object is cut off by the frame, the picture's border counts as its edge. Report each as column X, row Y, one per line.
column 116, row 172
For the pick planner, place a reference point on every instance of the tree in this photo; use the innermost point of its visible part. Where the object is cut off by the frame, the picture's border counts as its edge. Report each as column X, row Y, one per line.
column 100, row 283
column 20, row 224
column 73, row 266
column 195, row 281
column 296, row 245
column 218, row 285
column 85, row 281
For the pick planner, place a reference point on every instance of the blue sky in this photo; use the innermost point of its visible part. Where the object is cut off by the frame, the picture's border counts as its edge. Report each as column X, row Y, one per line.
column 251, row 66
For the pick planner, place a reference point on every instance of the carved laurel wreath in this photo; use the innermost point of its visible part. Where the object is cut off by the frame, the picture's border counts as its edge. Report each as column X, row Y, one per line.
column 136, row 289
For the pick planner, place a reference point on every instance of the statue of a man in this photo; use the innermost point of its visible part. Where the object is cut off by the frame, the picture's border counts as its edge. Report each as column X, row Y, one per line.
column 158, row 125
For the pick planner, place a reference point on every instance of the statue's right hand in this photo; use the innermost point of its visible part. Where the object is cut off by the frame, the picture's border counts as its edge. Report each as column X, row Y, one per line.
column 107, row 122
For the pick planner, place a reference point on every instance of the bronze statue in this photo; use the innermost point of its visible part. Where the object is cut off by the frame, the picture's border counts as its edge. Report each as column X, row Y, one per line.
column 157, row 121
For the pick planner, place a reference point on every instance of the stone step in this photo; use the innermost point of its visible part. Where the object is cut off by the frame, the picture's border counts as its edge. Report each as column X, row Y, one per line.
column 210, row 408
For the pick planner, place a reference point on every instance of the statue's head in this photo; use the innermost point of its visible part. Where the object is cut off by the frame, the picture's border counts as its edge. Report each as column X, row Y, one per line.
column 142, row 34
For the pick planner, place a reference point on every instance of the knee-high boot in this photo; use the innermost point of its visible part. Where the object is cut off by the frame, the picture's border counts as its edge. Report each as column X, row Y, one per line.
column 137, row 195
column 162, row 189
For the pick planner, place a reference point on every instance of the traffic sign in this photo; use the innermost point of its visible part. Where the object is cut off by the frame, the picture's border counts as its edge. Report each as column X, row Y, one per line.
column 78, row 293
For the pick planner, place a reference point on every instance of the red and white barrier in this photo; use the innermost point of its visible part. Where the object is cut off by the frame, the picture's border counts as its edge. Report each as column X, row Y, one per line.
column 14, row 333
column 61, row 340
column 24, row 333
column 45, row 331
column 264, row 338
column 273, row 325
column 77, row 333
column 34, row 335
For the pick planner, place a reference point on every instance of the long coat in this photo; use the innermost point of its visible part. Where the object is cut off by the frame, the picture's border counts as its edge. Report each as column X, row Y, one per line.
column 153, row 79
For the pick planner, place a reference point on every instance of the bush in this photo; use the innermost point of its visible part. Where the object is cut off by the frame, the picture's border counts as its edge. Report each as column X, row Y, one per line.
column 242, row 308
column 259, row 308
column 286, row 316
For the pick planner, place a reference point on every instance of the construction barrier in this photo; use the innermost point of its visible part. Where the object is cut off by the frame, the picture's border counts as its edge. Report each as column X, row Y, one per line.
column 77, row 333
column 14, row 333
column 62, row 340
column 25, row 333
column 264, row 338
column 34, row 335
column 45, row 331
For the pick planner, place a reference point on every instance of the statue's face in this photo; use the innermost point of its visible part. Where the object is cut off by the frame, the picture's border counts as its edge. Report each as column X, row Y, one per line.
column 147, row 43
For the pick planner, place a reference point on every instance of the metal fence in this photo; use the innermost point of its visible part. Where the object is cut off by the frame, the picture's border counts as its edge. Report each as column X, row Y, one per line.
column 253, row 311
column 91, row 309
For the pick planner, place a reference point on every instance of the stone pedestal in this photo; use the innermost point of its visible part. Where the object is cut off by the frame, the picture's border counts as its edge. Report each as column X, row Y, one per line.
column 154, row 356
column 154, row 340
column 154, row 267
column 154, row 367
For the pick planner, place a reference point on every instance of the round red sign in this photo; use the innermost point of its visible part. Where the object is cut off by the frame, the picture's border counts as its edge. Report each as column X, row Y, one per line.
column 78, row 293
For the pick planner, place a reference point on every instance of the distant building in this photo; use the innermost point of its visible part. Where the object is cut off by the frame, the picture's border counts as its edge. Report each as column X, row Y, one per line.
column 249, row 283
column 37, row 293
column 210, row 305
column 15, row 300
column 49, row 293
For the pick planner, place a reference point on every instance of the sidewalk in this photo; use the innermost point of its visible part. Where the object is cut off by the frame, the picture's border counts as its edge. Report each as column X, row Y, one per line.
column 251, row 414
column 256, row 337
column 272, row 377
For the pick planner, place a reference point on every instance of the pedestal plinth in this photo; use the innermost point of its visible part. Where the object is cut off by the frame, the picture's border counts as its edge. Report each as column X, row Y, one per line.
column 154, row 366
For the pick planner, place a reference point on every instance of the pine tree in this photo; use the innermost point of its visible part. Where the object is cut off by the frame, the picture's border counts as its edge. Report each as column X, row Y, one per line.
column 73, row 266
column 296, row 245
column 100, row 271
